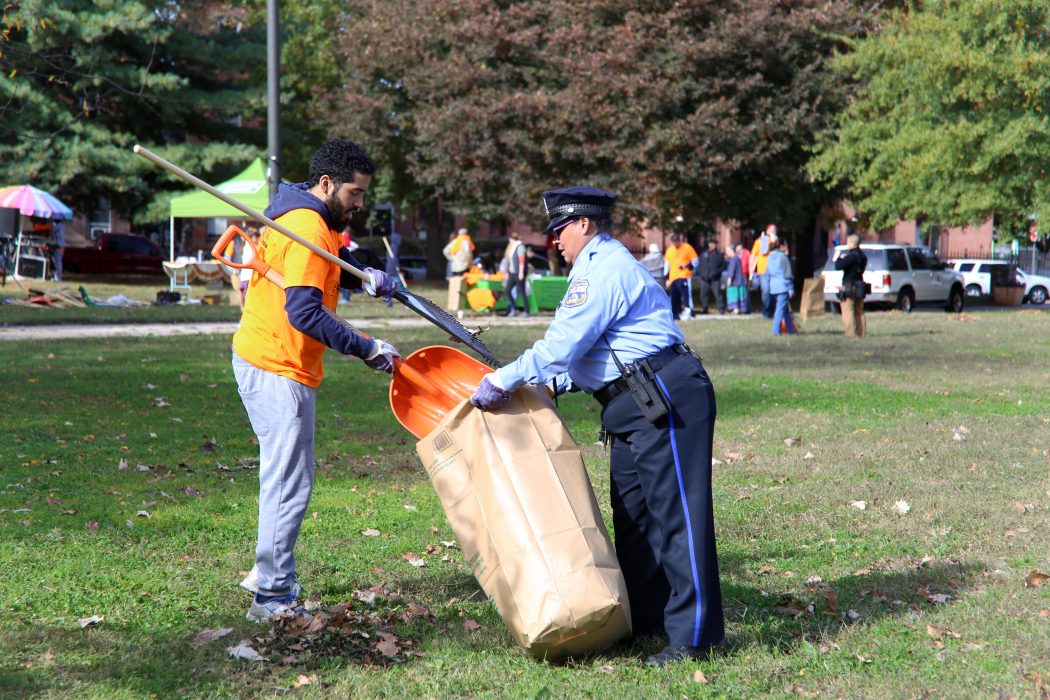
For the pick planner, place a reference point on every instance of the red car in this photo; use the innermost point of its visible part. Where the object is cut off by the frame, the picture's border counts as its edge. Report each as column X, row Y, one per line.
column 116, row 253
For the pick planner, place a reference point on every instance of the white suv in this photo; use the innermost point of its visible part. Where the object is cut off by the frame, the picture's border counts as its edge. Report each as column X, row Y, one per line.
column 977, row 279
column 900, row 276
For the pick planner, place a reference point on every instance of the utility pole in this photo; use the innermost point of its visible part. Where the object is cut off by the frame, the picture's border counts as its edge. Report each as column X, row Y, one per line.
column 273, row 93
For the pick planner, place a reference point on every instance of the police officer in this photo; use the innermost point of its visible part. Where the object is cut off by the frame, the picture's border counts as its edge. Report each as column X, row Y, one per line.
column 613, row 328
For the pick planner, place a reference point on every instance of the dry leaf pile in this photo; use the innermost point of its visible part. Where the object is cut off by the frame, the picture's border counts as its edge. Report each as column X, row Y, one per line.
column 342, row 630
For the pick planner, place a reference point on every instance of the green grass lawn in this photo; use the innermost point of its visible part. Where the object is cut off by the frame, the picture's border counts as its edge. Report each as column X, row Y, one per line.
column 114, row 504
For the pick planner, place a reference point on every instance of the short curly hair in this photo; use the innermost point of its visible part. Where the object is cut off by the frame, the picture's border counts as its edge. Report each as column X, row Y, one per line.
column 339, row 159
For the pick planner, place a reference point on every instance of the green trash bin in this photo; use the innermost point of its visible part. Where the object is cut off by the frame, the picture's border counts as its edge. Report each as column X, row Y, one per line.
column 547, row 292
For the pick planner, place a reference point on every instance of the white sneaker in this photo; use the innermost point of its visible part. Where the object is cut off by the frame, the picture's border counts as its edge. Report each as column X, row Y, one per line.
column 264, row 610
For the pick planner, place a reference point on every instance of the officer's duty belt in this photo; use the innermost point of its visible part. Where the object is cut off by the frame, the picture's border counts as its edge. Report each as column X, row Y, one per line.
column 616, row 387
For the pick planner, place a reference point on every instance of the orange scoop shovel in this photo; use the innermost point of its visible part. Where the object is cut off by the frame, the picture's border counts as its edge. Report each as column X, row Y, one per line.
column 431, row 382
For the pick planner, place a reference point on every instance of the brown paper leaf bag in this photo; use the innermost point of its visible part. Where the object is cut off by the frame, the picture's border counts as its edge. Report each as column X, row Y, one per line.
column 516, row 493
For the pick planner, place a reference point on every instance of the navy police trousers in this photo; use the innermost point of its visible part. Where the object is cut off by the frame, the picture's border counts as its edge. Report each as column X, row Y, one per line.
column 662, row 508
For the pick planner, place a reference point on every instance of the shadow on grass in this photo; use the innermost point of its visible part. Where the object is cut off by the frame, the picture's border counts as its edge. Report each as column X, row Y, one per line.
column 783, row 619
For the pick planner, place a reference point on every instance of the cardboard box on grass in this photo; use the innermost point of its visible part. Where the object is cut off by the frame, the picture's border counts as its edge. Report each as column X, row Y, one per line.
column 516, row 493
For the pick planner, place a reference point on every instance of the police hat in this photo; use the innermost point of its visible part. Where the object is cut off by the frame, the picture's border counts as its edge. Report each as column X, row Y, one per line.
column 564, row 205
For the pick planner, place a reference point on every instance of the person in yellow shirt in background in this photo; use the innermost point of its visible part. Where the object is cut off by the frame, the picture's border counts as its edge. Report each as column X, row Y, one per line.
column 278, row 351
column 679, row 259
column 759, row 257
column 460, row 254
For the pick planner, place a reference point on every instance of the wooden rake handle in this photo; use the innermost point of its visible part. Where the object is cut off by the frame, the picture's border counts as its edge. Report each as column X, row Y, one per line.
column 257, row 215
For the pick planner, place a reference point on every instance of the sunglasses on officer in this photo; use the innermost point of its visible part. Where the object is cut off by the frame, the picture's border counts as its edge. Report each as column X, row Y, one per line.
column 557, row 231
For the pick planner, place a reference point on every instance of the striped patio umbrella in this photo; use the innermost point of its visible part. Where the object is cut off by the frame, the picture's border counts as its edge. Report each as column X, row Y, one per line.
column 34, row 202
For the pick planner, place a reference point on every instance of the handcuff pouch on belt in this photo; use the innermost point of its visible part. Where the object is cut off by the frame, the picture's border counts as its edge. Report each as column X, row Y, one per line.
column 641, row 382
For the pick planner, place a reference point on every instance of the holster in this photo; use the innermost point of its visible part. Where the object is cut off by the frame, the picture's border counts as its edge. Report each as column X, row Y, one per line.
column 641, row 382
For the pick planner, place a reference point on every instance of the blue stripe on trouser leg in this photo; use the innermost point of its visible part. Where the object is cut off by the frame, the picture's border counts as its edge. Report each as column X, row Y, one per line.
column 648, row 516
column 685, row 514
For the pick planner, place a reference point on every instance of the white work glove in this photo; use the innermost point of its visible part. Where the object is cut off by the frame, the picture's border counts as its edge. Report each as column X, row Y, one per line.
column 382, row 356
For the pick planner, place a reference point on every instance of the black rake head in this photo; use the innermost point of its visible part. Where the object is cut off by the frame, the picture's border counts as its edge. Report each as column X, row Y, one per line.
column 448, row 323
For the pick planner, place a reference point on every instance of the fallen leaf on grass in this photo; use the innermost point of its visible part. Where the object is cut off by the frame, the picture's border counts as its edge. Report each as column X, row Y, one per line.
column 302, row 679
column 791, row 608
column 91, row 526
column 143, row 514
column 935, row 632
column 122, row 464
column 766, row 569
column 415, row 611
column 1020, row 507
column 410, row 507
column 831, row 599
column 792, row 441
column 972, row 646
column 371, row 532
column 699, row 677
column 387, row 647
column 245, row 651
column 471, row 625
column 901, row 507
column 805, row 693
column 366, row 597
column 935, row 598
column 859, row 505
column 1035, row 579
column 414, row 559
column 809, row 455
column 853, row 614
column 93, row 620
column 1044, row 614
column 207, row 636
column 69, row 511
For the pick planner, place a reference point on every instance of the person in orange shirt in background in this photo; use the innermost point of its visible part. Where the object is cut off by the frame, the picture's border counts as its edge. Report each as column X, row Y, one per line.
column 680, row 259
column 759, row 257
column 460, row 255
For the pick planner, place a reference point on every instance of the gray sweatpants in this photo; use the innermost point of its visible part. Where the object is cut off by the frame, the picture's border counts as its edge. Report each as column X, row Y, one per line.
column 282, row 413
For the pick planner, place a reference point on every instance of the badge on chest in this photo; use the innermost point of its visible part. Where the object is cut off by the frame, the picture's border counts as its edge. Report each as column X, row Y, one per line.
column 576, row 295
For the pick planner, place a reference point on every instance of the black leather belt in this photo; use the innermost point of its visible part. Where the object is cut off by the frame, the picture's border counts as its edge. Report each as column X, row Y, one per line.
column 616, row 387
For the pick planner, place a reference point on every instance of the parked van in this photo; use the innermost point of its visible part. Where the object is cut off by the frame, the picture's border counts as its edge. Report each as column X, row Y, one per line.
column 900, row 276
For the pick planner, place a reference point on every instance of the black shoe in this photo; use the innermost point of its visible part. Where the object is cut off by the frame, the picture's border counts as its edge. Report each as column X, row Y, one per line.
column 673, row 653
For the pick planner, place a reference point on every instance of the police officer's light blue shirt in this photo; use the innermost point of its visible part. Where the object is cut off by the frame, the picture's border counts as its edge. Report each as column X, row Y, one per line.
column 611, row 294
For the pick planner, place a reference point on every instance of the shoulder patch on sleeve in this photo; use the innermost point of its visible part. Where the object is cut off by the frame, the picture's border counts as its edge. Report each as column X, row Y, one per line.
column 577, row 294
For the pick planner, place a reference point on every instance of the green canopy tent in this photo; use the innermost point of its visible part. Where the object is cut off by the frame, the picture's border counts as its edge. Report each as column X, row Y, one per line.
column 248, row 187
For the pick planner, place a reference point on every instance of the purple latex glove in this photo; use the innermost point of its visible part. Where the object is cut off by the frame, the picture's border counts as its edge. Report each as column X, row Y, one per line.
column 382, row 356
column 490, row 395
column 382, row 284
